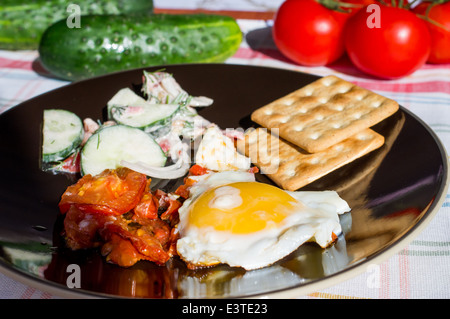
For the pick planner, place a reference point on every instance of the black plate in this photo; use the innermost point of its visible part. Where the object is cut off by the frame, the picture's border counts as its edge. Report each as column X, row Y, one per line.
column 394, row 192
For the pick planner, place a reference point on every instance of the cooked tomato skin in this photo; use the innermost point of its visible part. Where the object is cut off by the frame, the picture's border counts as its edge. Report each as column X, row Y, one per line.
column 151, row 240
column 121, row 252
column 117, row 211
column 198, row 170
column 147, row 207
column 81, row 229
column 195, row 170
column 112, row 192
column 170, row 205
column 397, row 48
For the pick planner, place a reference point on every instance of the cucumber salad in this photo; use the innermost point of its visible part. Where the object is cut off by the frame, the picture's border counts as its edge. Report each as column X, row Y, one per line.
column 151, row 133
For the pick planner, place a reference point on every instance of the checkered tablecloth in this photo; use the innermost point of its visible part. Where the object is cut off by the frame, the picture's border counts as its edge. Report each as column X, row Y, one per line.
column 420, row 270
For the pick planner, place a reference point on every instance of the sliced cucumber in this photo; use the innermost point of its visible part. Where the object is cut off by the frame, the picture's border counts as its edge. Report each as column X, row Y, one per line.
column 144, row 115
column 128, row 108
column 111, row 145
column 124, row 97
column 62, row 134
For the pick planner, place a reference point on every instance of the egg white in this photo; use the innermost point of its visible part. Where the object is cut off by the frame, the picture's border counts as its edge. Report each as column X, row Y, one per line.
column 217, row 152
column 316, row 219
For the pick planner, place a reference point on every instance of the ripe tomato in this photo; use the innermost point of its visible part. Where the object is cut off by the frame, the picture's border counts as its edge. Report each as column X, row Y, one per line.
column 396, row 47
column 307, row 33
column 440, row 35
column 344, row 9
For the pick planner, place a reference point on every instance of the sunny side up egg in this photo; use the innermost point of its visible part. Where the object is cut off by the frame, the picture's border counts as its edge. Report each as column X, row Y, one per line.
column 229, row 218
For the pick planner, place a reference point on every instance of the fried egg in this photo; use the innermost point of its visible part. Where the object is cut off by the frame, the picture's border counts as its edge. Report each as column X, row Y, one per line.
column 229, row 218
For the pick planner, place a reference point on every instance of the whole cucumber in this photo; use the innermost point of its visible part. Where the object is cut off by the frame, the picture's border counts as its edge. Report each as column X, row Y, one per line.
column 22, row 22
column 106, row 44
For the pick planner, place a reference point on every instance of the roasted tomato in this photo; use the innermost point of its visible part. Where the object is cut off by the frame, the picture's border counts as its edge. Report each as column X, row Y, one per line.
column 81, row 229
column 111, row 192
column 195, row 170
column 168, row 207
column 150, row 238
column 147, row 207
column 117, row 211
column 120, row 251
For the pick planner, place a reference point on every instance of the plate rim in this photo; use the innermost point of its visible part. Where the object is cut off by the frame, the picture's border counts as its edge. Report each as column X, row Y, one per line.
column 383, row 255
column 59, row 290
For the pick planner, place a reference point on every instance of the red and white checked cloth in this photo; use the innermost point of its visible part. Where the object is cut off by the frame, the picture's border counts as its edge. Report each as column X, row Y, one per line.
column 418, row 271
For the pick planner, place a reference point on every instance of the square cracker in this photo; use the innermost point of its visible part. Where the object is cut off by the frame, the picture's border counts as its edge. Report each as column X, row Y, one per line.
column 324, row 113
column 290, row 167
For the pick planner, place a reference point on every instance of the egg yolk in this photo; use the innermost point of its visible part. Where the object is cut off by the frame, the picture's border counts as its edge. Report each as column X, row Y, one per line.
column 242, row 207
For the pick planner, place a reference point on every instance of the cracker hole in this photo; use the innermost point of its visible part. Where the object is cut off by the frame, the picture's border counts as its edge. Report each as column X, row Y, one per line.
column 336, row 125
column 308, row 92
column 314, row 136
column 376, row 104
column 319, row 117
column 363, row 137
column 314, row 161
column 327, row 82
column 298, row 128
column 290, row 173
column 323, row 100
column 344, row 89
column 284, row 120
column 268, row 112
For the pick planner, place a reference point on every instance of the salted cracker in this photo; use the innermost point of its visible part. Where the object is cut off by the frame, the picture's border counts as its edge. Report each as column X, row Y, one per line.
column 291, row 168
column 324, row 112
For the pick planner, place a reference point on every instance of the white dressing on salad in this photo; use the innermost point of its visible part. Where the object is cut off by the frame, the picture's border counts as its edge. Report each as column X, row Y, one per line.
column 167, row 115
